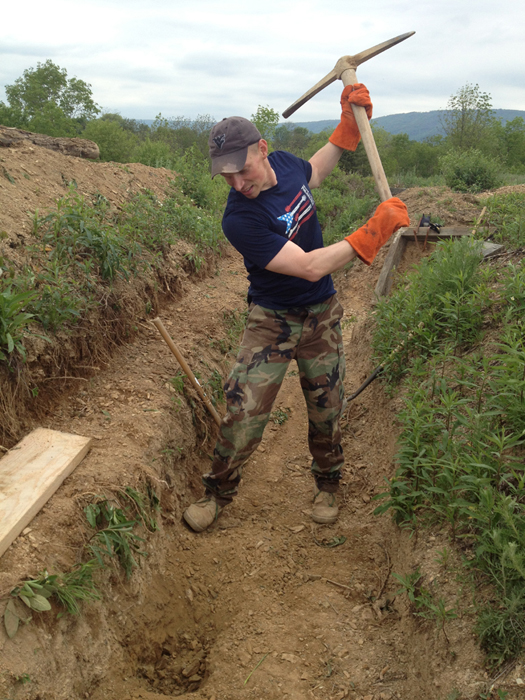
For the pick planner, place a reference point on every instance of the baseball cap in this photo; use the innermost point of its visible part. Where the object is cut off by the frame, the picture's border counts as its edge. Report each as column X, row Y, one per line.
column 228, row 142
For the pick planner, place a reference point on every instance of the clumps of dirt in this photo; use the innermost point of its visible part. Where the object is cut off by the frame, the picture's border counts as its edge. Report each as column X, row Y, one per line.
column 451, row 208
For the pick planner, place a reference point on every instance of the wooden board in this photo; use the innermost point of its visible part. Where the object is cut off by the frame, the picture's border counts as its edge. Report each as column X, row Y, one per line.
column 392, row 260
column 445, row 232
column 30, row 474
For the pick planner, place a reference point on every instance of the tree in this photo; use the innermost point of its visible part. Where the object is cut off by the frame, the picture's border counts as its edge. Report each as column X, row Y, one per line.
column 266, row 120
column 469, row 119
column 511, row 139
column 115, row 143
column 66, row 104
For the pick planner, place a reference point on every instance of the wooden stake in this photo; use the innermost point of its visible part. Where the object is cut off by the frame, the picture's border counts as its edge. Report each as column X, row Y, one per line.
column 182, row 362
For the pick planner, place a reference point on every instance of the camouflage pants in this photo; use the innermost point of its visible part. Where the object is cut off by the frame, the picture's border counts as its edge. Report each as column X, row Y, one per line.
column 272, row 339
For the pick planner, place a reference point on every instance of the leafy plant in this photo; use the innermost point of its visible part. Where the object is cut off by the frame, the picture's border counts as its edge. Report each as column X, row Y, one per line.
column 505, row 219
column 114, row 538
column 13, row 320
column 470, row 171
column 460, row 457
column 280, row 415
column 423, row 601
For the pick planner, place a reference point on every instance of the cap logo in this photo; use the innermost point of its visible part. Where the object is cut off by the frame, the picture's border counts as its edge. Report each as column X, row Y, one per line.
column 219, row 141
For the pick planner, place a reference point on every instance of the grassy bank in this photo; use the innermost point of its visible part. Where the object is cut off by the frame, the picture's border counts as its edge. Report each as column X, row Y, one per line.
column 452, row 340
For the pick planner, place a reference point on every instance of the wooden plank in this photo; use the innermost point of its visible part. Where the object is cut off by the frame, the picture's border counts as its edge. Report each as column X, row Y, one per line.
column 445, row 232
column 392, row 260
column 30, row 474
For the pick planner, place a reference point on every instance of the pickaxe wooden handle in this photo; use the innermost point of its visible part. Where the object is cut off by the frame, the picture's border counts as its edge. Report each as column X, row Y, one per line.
column 345, row 70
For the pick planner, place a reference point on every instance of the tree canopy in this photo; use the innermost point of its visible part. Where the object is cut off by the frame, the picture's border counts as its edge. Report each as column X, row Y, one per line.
column 469, row 117
column 44, row 99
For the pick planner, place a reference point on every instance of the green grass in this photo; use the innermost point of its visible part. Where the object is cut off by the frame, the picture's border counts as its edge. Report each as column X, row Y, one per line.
column 461, row 454
column 344, row 202
column 506, row 214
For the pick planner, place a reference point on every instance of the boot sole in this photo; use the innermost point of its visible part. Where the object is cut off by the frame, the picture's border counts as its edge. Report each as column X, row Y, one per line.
column 324, row 519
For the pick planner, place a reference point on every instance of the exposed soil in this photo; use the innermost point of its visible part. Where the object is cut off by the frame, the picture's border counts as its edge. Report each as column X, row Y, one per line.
column 266, row 604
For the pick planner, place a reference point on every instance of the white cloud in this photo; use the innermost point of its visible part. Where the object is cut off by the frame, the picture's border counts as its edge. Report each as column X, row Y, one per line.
column 145, row 57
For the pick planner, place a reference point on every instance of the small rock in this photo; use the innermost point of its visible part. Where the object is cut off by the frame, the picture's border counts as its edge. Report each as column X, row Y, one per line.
column 261, row 449
column 296, row 529
column 292, row 658
column 189, row 595
column 520, row 681
column 366, row 499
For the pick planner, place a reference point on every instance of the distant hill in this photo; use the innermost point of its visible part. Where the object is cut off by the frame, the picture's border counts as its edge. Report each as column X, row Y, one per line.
column 418, row 125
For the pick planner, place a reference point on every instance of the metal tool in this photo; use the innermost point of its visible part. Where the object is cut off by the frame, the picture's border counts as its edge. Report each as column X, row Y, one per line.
column 344, row 70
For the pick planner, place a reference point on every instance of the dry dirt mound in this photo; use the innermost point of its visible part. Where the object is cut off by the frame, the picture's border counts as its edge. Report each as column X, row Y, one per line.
column 33, row 178
column 265, row 604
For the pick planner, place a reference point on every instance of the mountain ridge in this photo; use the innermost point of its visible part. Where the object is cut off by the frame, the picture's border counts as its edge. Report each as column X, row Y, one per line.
column 418, row 125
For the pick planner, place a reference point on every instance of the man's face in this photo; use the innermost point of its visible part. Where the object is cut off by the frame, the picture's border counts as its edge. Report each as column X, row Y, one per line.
column 256, row 175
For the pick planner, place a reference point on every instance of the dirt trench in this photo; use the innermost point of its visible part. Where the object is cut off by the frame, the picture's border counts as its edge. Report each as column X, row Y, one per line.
column 266, row 604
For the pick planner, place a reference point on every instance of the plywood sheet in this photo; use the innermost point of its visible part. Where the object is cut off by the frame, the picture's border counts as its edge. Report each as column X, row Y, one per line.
column 30, row 474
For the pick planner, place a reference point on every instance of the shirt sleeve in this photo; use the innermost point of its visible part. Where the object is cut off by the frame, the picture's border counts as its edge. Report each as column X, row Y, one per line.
column 251, row 236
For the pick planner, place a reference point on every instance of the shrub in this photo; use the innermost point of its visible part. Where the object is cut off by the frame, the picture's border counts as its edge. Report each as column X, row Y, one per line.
column 505, row 214
column 470, row 171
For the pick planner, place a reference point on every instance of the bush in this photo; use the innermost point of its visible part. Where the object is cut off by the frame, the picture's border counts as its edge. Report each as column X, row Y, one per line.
column 505, row 219
column 470, row 171
column 115, row 143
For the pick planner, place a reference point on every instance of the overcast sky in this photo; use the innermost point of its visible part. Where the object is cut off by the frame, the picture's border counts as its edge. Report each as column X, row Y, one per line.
column 185, row 58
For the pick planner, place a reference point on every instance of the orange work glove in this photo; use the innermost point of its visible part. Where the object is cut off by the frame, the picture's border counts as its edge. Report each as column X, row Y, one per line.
column 346, row 134
column 388, row 218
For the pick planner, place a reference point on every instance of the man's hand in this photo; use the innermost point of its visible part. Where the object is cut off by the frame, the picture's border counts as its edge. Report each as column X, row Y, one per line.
column 388, row 218
column 346, row 134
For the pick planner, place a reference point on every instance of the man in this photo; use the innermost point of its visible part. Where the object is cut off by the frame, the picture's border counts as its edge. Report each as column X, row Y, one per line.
column 271, row 219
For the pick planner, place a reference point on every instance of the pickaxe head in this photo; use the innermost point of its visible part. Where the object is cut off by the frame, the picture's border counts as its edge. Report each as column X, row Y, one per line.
column 343, row 64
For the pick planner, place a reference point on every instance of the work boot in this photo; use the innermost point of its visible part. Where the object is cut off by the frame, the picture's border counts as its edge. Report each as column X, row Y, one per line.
column 203, row 513
column 325, row 510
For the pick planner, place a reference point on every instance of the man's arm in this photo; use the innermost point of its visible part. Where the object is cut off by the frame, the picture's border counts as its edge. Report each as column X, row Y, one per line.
column 292, row 260
column 323, row 162
column 365, row 243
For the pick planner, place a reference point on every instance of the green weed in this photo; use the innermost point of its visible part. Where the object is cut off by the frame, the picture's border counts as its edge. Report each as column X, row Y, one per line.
column 506, row 218
column 114, row 539
column 280, row 415
column 460, row 457
column 13, row 320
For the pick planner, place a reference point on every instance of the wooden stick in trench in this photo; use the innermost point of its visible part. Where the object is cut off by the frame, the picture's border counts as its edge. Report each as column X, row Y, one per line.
column 186, row 368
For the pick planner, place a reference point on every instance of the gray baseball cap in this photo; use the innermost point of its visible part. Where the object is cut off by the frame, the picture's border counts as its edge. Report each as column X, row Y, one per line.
column 228, row 142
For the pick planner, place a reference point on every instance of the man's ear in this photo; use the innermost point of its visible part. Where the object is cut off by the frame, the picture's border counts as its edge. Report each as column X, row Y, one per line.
column 263, row 148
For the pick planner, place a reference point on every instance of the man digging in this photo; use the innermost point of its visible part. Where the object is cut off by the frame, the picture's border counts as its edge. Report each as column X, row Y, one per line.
column 271, row 219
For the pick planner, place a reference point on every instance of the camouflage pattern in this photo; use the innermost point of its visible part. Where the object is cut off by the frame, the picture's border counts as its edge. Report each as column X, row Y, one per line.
column 272, row 339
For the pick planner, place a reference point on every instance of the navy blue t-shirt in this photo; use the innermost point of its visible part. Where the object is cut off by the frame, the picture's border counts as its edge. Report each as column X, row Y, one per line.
column 260, row 227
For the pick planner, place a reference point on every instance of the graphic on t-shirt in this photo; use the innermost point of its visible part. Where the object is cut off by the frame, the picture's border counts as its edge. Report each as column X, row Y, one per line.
column 303, row 208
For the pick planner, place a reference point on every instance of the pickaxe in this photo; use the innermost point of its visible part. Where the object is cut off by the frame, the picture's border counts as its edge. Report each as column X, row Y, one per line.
column 345, row 70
